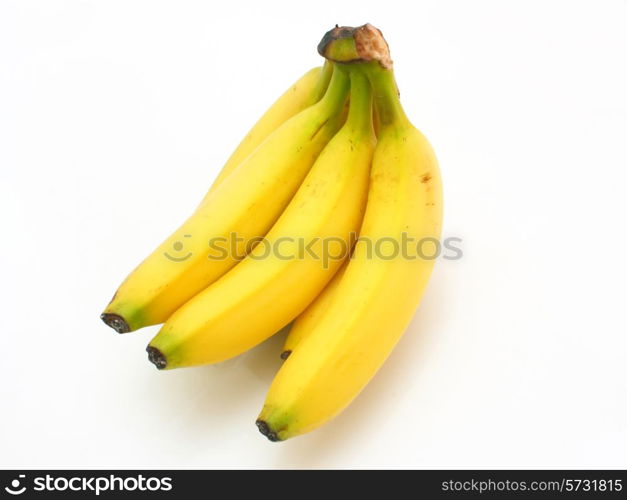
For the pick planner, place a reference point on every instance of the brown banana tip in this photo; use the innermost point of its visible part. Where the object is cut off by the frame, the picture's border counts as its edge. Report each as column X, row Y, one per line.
column 266, row 431
column 367, row 44
column 337, row 33
column 156, row 357
column 285, row 354
column 115, row 321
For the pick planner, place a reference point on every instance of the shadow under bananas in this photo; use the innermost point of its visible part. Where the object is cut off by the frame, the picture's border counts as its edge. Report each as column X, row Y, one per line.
column 206, row 404
column 349, row 432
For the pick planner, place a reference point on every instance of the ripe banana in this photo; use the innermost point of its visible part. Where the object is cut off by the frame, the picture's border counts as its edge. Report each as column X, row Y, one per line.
column 269, row 288
column 310, row 316
column 245, row 204
column 306, row 91
column 380, row 290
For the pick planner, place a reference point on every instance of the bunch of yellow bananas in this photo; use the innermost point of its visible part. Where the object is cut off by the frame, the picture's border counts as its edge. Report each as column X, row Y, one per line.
column 304, row 223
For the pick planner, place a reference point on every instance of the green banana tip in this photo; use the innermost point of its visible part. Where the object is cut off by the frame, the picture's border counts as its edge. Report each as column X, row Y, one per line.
column 346, row 44
column 115, row 321
column 156, row 357
column 264, row 428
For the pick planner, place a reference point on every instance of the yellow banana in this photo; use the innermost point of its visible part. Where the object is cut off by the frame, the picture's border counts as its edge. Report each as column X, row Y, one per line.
column 380, row 289
column 307, row 90
column 245, row 205
column 298, row 257
column 310, row 316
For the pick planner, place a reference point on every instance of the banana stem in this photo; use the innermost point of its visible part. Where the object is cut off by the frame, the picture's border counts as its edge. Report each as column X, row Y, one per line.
column 364, row 47
column 337, row 90
column 360, row 111
column 389, row 109
column 323, row 82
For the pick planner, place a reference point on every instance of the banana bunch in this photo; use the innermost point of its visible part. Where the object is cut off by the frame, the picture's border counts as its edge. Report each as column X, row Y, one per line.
column 303, row 225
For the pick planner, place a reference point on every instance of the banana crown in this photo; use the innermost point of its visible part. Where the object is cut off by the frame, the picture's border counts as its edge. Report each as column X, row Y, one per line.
column 365, row 48
column 362, row 44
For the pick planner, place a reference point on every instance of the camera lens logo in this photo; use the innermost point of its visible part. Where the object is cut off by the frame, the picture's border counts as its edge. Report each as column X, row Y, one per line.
column 15, row 489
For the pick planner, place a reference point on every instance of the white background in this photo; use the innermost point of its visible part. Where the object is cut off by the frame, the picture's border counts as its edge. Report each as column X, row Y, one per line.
column 114, row 118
